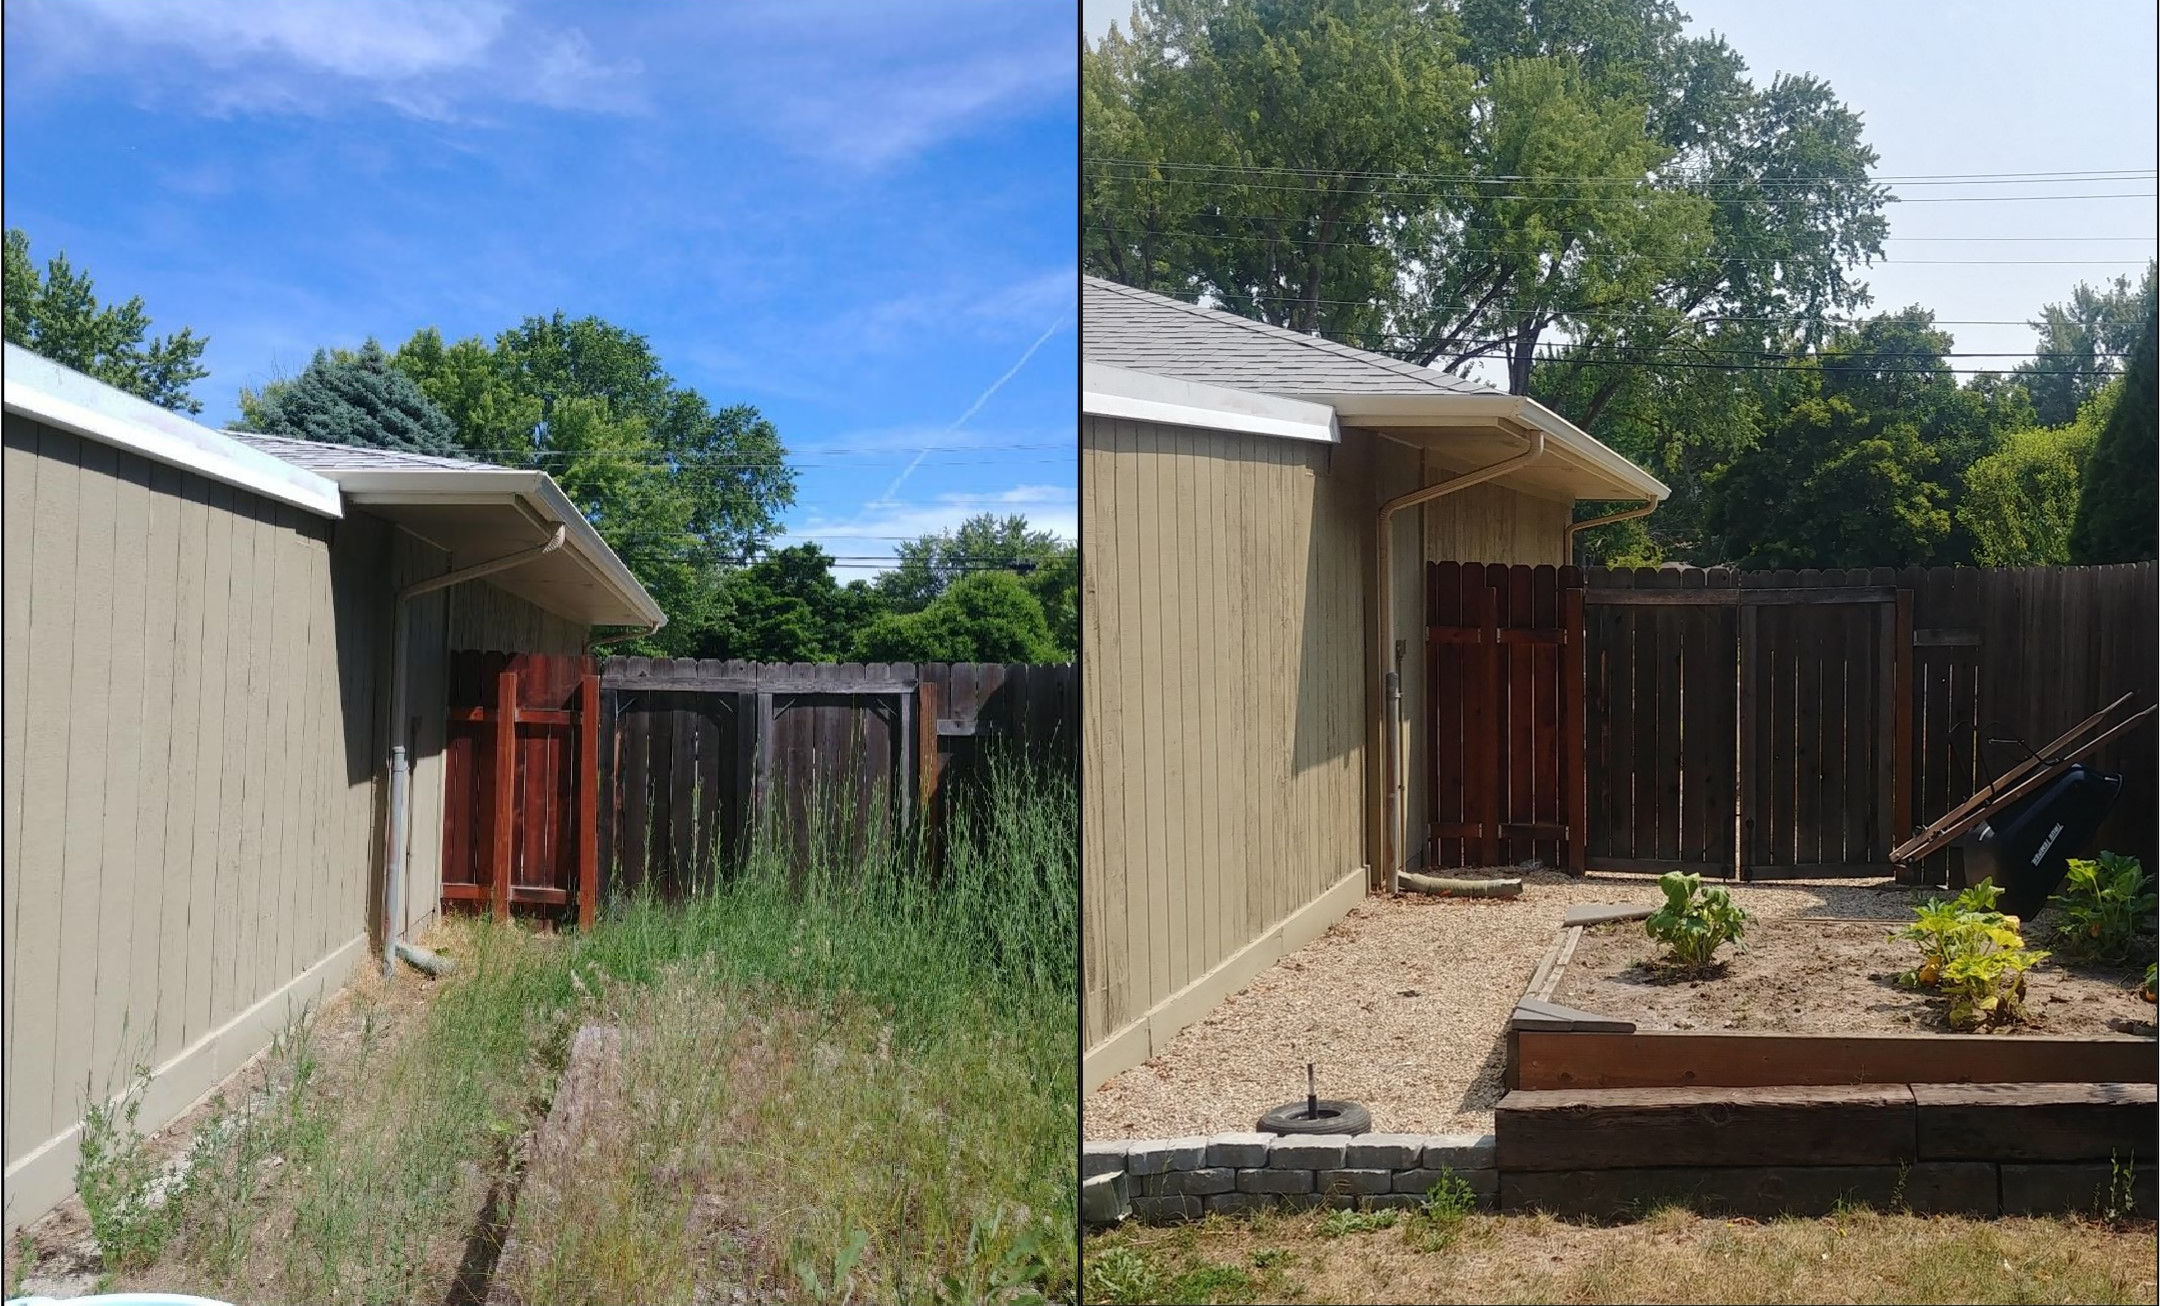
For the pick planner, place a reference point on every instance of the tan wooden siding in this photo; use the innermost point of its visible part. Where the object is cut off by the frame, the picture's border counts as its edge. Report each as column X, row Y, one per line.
column 1224, row 698
column 183, row 834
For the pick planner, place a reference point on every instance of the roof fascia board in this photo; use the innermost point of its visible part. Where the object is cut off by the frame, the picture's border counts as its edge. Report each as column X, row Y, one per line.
column 43, row 391
column 429, row 486
column 1146, row 397
column 1440, row 408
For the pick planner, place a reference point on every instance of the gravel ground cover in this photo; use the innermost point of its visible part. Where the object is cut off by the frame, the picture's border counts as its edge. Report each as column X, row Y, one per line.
column 1402, row 1006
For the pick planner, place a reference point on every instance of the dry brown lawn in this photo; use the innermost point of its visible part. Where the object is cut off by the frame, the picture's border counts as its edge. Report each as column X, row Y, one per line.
column 1672, row 1256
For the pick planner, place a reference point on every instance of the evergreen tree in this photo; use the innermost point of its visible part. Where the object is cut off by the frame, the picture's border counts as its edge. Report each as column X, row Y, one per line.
column 2120, row 494
column 353, row 398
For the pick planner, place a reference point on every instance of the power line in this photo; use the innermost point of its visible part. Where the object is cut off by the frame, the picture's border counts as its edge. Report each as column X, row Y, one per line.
column 1652, row 187
column 1931, row 178
column 1595, row 312
column 1705, row 255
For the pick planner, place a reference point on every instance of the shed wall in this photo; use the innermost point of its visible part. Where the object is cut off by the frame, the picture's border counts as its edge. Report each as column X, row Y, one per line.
column 195, row 684
column 189, row 803
column 1223, row 710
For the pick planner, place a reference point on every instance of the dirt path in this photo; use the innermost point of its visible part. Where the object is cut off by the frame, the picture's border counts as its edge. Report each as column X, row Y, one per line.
column 1402, row 1004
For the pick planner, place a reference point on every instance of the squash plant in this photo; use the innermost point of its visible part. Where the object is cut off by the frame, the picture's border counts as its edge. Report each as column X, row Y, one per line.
column 1694, row 922
column 2103, row 903
column 1972, row 954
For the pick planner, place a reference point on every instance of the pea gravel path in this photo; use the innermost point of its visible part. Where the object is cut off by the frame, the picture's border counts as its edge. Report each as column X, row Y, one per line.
column 1402, row 1004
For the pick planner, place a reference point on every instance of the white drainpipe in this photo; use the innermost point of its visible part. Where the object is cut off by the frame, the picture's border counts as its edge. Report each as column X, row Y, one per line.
column 1627, row 514
column 1391, row 780
column 396, row 843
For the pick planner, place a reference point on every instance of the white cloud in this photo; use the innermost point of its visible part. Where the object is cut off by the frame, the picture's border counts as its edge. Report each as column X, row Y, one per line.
column 875, row 535
column 420, row 57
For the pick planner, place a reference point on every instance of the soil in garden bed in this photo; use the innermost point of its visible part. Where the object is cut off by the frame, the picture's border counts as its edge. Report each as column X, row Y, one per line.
column 1822, row 977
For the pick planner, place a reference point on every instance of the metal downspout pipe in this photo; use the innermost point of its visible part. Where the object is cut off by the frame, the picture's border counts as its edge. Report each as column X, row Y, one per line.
column 396, row 842
column 1391, row 666
column 1626, row 514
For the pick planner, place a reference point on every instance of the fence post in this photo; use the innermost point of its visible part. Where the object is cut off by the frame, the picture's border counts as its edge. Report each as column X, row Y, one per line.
column 1573, row 794
column 1901, row 796
column 926, row 763
column 506, row 714
column 588, row 801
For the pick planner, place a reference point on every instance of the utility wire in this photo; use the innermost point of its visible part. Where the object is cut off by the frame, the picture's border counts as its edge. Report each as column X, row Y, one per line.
column 1933, row 178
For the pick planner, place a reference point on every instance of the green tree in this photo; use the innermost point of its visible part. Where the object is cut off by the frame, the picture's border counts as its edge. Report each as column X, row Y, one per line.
column 57, row 317
column 352, row 398
column 786, row 607
column 2080, row 342
column 681, row 489
column 2020, row 501
column 2120, row 494
column 985, row 616
column 1048, row 568
column 1830, row 485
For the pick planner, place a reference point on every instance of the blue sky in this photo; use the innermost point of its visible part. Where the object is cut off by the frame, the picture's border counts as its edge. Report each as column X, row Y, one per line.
column 1974, row 86
column 857, row 217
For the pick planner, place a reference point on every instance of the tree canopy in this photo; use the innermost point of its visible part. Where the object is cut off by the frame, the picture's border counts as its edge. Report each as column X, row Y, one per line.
column 985, row 616
column 351, row 397
column 56, row 316
column 2119, row 496
column 1048, row 569
column 2082, row 343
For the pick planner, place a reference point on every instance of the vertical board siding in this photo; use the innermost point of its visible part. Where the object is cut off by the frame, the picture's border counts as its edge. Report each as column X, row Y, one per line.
column 176, row 846
column 1225, row 698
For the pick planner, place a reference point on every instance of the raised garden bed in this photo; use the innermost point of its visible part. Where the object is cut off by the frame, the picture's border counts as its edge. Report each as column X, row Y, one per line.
column 1803, row 1076
column 1586, row 1021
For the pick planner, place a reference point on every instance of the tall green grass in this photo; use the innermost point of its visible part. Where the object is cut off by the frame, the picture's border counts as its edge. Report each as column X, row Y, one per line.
column 876, row 1045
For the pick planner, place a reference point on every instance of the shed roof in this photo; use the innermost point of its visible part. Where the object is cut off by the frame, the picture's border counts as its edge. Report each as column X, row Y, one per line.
column 1143, row 332
column 318, row 456
column 1132, row 342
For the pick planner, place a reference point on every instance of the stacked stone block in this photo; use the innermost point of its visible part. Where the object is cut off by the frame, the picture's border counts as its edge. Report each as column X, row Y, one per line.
column 1162, row 1181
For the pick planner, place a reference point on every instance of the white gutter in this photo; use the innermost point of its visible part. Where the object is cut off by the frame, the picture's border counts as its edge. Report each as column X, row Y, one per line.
column 396, row 843
column 452, row 486
column 43, row 391
column 1146, row 397
column 1440, row 407
column 1391, row 840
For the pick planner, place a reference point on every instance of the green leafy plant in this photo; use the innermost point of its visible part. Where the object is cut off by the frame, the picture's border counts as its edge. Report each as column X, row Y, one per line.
column 1973, row 954
column 2103, row 903
column 2152, row 972
column 1340, row 1222
column 1438, row 1220
column 1120, row 1274
column 1694, row 922
column 133, row 1208
column 2118, row 1201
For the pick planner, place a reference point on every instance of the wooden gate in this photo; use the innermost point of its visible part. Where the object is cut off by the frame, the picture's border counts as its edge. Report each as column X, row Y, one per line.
column 1504, row 678
column 1748, row 723
column 521, row 783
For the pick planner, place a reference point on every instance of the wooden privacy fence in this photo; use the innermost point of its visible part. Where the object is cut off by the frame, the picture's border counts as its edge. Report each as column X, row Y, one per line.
column 699, row 751
column 1504, row 675
column 1767, row 723
column 520, row 783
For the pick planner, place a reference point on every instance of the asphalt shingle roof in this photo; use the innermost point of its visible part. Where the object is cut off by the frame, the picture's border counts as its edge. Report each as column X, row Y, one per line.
column 319, row 457
column 1143, row 332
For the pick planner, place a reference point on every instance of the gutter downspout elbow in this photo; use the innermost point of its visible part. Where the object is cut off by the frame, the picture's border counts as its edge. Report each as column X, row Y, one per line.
column 397, row 837
column 1391, row 839
column 1627, row 514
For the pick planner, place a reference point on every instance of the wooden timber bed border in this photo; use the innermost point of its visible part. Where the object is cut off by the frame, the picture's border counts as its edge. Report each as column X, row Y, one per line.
column 1550, row 1046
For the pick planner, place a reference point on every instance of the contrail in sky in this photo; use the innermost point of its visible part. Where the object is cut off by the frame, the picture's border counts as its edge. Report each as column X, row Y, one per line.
column 984, row 398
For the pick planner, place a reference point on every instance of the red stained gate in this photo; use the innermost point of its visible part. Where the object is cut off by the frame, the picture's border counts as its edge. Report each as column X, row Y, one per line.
column 1504, row 751
column 521, row 784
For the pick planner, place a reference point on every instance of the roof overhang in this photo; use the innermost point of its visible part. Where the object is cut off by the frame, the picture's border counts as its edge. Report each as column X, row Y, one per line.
column 1467, row 431
column 478, row 514
column 1145, row 397
column 43, row 391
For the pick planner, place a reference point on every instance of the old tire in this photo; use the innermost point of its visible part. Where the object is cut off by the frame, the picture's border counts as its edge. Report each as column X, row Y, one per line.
column 1335, row 1118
